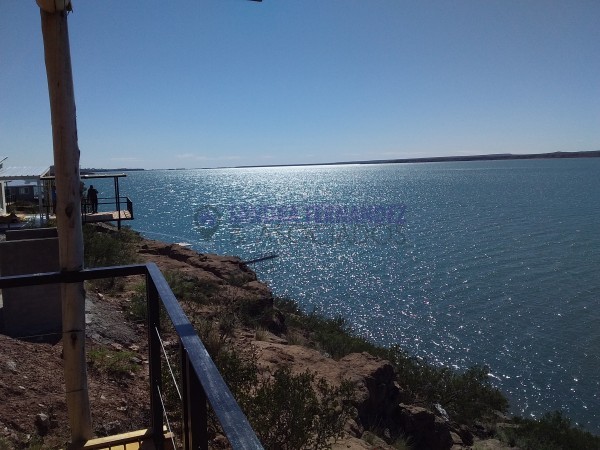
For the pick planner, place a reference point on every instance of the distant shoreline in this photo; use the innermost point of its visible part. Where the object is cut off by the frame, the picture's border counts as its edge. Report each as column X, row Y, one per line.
column 492, row 157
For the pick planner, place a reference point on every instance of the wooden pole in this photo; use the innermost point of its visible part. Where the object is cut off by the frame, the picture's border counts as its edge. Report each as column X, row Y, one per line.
column 68, row 215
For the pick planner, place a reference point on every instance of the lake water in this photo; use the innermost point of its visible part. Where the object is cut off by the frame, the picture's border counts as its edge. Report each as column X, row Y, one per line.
column 489, row 263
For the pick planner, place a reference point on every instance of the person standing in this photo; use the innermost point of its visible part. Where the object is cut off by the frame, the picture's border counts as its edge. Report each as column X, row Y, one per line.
column 92, row 195
column 54, row 200
column 83, row 194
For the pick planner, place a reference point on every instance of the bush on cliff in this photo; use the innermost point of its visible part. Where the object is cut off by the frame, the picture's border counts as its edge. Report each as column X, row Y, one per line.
column 465, row 396
column 333, row 336
column 188, row 288
column 553, row 431
column 105, row 247
column 286, row 410
column 288, row 413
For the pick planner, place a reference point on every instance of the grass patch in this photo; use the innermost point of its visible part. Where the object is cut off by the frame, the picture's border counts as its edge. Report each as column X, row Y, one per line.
column 112, row 362
column 185, row 288
column 336, row 338
column 333, row 336
column 260, row 334
column 137, row 307
column 105, row 247
column 188, row 288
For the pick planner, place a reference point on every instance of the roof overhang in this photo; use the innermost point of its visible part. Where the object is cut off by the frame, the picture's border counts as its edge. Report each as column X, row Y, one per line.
column 23, row 173
column 91, row 175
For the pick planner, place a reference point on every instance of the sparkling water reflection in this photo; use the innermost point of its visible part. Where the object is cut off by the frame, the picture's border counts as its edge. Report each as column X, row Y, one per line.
column 496, row 264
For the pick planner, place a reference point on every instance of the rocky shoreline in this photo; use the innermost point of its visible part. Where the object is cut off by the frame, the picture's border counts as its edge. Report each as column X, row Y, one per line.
column 377, row 393
column 216, row 292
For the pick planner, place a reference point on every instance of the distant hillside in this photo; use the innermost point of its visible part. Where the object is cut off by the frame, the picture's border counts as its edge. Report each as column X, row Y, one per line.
column 94, row 170
column 497, row 156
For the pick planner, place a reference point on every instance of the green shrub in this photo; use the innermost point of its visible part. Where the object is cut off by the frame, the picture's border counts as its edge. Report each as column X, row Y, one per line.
column 336, row 338
column 188, row 288
column 214, row 341
column 553, row 431
column 465, row 396
column 171, row 387
column 137, row 307
column 333, row 336
column 238, row 279
column 240, row 374
column 112, row 362
column 104, row 247
column 227, row 322
column 288, row 306
column 288, row 413
column 255, row 312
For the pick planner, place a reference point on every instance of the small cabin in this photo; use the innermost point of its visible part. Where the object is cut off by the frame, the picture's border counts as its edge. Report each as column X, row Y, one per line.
column 22, row 191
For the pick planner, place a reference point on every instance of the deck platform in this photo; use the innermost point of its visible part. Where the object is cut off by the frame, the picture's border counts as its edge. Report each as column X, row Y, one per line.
column 108, row 216
column 135, row 440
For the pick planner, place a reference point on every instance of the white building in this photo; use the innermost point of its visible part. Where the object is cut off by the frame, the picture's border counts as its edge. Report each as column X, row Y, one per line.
column 23, row 179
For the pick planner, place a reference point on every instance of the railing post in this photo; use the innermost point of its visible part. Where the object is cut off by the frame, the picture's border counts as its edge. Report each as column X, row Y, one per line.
column 156, row 409
column 130, row 206
column 118, row 201
column 195, row 410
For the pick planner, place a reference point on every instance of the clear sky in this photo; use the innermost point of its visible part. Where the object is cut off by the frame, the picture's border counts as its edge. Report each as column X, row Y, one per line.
column 206, row 83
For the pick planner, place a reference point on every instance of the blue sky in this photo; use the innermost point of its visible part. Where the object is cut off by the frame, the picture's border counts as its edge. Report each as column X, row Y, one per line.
column 208, row 83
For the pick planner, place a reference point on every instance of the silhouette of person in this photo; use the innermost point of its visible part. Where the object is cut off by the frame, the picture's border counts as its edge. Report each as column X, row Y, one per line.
column 83, row 193
column 92, row 195
column 54, row 200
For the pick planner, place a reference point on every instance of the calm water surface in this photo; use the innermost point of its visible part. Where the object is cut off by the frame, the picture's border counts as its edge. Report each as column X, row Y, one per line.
column 496, row 264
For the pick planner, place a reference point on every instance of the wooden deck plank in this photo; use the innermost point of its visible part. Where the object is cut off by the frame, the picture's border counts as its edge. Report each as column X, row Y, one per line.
column 120, row 439
column 106, row 216
column 134, row 440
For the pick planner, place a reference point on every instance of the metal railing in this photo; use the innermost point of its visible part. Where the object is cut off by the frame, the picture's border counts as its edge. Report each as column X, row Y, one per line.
column 201, row 381
column 107, row 204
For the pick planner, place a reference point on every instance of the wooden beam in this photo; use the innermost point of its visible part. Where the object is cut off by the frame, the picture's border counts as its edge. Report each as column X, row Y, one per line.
column 140, row 437
column 68, row 214
column 120, row 439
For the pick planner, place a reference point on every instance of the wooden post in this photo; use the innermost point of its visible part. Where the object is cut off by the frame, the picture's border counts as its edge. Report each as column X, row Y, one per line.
column 68, row 213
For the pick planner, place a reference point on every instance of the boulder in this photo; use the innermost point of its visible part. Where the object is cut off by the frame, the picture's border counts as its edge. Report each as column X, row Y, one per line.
column 428, row 431
column 42, row 424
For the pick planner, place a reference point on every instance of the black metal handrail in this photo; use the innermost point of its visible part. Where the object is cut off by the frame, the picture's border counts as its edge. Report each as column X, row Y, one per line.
column 201, row 379
column 114, row 202
column 86, row 209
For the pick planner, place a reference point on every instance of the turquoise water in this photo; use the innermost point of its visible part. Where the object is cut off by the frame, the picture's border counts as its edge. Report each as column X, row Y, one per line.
column 496, row 263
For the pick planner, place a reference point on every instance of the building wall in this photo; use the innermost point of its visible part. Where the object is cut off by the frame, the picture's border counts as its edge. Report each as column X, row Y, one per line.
column 21, row 193
column 33, row 310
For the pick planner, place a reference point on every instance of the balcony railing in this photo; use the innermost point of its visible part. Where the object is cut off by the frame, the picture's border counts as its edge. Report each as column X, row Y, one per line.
column 108, row 210
column 200, row 379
